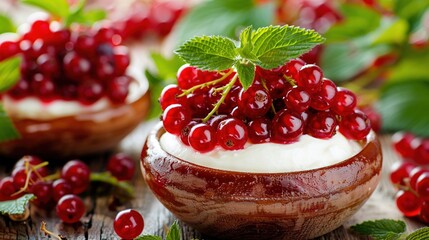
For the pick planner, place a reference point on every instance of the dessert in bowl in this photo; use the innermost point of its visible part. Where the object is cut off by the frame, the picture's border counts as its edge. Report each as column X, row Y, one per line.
column 288, row 156
column 78, row 91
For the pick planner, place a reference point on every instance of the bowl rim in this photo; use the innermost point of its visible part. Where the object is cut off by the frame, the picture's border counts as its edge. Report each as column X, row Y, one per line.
column 158, row 130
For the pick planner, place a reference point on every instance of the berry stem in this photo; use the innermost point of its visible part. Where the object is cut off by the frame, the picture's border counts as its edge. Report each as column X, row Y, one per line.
column 106, row 177
column 222, row 99
column 49, row 233
column 289, row 80
column 264, row 84
column 206, row 84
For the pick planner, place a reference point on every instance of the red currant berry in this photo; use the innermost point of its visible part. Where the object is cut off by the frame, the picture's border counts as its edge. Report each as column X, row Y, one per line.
column 277, row 87
column 215, row 120
column 402, row 144
column 297, row 99
column 254, row 102
column 324, row 98
column 202, row 138
column 292, row 68
column 128, row 224
column 76, row 173
column 20, row 90
column 401, row 171
column 355, row 126
column 89, row 91
column 374, row 118
column 43, row 193
column 60, row 187
column 259, row 130
column 70, row 208
column 175, row 117
column 75, row 66
column 8, row 49
column 118, row 89
column 19, row 176
column 32, row 161
column 122, row 59
column 310, row 78
column 43, row 87
column 7, row 188
column 422, row 152
column 422, row 186
column 184, row 134
column 232, row 134
column 199, row 103
column 345, row 102
column 121, row 166
column 408, row 203
column 85, row 46
column 414, row 175
column 322, row 125
column 424, row 212
column 287, row 127
column 170, row 95
column 187, row 77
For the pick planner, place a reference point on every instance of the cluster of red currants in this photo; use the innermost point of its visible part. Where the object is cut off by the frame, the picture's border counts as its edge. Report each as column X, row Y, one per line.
column 206, row 109
column 411, row 176
column 61, row 63
column 30, row 175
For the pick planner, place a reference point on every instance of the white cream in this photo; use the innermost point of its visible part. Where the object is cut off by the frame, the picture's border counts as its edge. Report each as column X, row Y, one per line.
column 308, row 153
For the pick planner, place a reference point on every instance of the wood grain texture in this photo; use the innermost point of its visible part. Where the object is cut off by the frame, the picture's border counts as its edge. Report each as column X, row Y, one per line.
column 98, row 221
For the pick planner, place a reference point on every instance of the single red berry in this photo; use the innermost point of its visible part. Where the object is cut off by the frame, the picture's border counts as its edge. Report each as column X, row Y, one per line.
column 292, row 68
column 202, row 137
column 122, row 59
column 76, row 173
column 287, row 127
column 85, row 46
column 422, row 186
column 402, row 143
column 421, row 155
column 259, row 130
column 43, row 192
column 19, row 176
column 20, row 90
column 424, row 212
column 75, row 66
column 297, row 99
column 32, row 161
column 60, row 187
column 199, row 104
column 70, row 208
column 48, row 65
column 43, row 87
column 216, row 119
column 254, row 102
column 322, row 125
column 408, row 203
column 344, row 102
column 232, row 134
column 118, row 89
column 310, row 78
column 355, row 126
column 187, row 77
column 414, row 175
column 277, row 87
column 175, row 117
column 236, row 113
column 170, row 95
column 184, row 133
column 8, row 49
column 128, row 224
column 121, row 166
column 400, row 171
column 89, row 91
column 324, row 98
column 7, row 188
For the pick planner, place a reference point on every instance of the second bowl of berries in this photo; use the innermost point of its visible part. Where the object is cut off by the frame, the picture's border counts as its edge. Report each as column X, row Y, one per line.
column 77, row 93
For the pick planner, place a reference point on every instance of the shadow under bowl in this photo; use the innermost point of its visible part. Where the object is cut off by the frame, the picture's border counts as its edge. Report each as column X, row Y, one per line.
column 238, row 205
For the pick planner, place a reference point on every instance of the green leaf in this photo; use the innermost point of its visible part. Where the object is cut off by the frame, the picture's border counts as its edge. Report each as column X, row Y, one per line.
column 411, row 10
column 391, row 31
column 246, row 73
column 148, row 237
column 16, row 206
column 208, row 52
column 381, row 229
column 6, row 24
column 412, row 66
column 166, row 66
column 420, row 234
column 106, row 177
column 7, row 129
column 9, row 73
column 246, row 44
column 359, row 21
column 403, row 106
column 223, row 17
column 173, row 232
column 275, row 45
column 78, row 14
column 58, row 8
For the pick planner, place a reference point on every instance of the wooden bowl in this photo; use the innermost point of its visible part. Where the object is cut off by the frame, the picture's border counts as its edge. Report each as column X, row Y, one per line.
column 239, row 205
column 78, row 135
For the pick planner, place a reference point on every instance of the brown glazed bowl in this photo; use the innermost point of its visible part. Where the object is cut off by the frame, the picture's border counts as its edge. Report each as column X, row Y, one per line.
column 239, row 205
column 78, row 135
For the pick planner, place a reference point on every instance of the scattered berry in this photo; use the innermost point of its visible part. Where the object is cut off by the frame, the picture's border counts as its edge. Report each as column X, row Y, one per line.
column 70, row 208
column 128, row 224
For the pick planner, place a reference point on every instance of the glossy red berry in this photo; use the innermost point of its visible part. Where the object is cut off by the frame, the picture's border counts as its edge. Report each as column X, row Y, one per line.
column 259, row 130
column 414, row 176
column 422, row 186
column 19, row 176
column 254, row 102
column 43, row 192
column 403, row 144
column 122, row 59
column 122, row 166
column 187, row 77
column 287, row 127
column 297, row 99
column 322, row 125
column 43, row 87
column 355, row 126
column 128, row 224
column 199, row 103
column 70, row 208
column 324, row 98
column 292, row 68
column 90, row 91
column 184, row 133
column 85, row 46
column 8, row 49
column 170, row 95
column 232, row 134
column 401, row 171
column 408, row 203
column 175, row 117
column 202, row 138
column 76, row 173
column 60, row 187
column 345, row 102
column 310, row 78
column 118, row 89
column 7, row 188
column 421, row 155
column 75, row 66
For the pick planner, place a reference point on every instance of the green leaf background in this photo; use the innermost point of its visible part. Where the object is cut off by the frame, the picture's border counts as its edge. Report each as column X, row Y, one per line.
column 16, row 206
column 6, row 24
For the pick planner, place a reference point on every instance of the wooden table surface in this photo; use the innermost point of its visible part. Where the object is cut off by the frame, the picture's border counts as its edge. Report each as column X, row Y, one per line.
column 98, row 221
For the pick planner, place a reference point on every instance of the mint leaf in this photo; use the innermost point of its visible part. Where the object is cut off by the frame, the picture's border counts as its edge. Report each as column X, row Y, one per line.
column 275, row 45
column 381, row 229
column 79, row 15
column 208, row 52
column 106, row 177
column 246, row 73
column 148, row 237
column 9, row 73
column 420, row 234
column 246, row 44
column 58, row 8
column 173, row 232
column 7, row 129
column 6, row 24
column 16, row 206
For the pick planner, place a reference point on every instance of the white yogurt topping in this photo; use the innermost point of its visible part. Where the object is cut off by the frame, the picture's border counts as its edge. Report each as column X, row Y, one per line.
column 308, row 153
